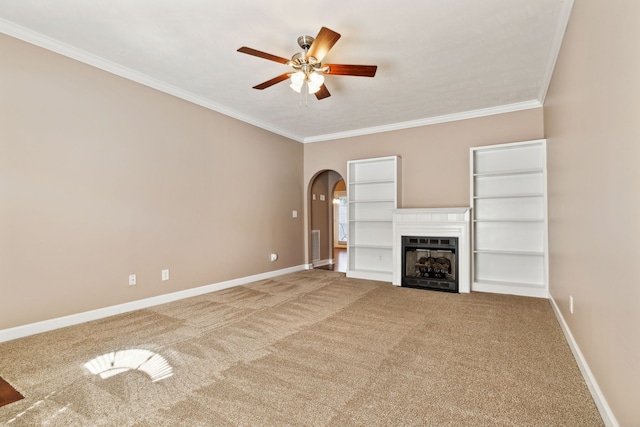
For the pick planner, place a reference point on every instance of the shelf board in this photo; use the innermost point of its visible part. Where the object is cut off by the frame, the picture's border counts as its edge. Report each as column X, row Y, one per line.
column 380, row 275
column 509, row 220
column 502, row 283
column 373, row 181
column 372, row 201
column 505, row 252
column 511, row 288
column 510, row 172
column 509, row 196
column 367, row 246
column 369, row 270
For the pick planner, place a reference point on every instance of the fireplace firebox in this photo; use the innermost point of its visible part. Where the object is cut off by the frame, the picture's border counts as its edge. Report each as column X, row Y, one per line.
column 430, row 263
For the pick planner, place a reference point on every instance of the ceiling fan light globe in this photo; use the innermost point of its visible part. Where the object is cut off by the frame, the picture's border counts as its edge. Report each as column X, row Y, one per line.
column 316, row 79
column 313, row 88
column 295, row 88
column 297, row 79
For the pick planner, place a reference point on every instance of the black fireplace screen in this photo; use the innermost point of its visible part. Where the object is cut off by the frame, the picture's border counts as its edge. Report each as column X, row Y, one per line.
column 430, row 263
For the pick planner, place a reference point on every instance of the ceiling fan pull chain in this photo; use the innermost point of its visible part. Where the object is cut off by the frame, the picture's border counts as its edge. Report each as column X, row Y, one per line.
column 304, row 94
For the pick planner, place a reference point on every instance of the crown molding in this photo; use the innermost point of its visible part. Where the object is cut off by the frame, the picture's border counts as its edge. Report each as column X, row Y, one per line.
column 510, row 108
column 556, row 44
column 69, row 51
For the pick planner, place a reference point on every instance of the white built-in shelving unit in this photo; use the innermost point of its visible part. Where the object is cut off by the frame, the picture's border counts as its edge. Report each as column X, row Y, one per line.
column 373, row 190
column 509, row 211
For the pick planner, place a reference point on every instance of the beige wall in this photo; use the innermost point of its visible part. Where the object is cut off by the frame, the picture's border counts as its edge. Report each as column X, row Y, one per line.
column 592, row 120
column 101, row 177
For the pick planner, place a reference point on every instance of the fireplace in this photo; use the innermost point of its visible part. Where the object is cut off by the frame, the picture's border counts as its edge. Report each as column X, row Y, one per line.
column 430, row 263
column 430, row 224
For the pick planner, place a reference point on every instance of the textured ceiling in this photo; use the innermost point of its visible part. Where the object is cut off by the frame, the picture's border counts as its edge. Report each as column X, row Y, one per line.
column 438, row 60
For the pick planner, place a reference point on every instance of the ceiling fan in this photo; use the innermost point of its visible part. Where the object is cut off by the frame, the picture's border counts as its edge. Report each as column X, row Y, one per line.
column 308, row 74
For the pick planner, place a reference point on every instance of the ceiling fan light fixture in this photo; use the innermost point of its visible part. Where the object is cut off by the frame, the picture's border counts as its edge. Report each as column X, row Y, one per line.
column 297, row 80
column 316, row 80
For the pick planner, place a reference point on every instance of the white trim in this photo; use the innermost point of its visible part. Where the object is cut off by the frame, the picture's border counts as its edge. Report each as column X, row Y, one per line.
column 380, row 276
column 606, row 413
column 69, row 51
column 87, row 316
column 336, row 220
column 521, row 289
column 556, row 44
column 323, row 262
column 498, row 147
column 510, row 108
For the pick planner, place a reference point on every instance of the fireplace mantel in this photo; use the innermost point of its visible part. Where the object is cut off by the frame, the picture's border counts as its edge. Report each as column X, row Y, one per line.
column 436, row 222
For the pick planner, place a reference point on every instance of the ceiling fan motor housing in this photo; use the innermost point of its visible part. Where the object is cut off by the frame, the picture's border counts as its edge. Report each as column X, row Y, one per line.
column 300, row 61
column 305, row 42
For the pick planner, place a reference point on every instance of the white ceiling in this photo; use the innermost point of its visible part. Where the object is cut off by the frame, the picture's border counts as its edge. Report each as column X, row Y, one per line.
column 438, row 60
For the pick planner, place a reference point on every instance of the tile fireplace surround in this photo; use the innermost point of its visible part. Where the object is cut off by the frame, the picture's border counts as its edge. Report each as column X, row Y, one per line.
column 434, row 222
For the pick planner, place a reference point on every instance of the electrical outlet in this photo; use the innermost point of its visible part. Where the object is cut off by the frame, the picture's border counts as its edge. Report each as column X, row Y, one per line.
column 165, row 275
column 571, row 304
column 132, row 279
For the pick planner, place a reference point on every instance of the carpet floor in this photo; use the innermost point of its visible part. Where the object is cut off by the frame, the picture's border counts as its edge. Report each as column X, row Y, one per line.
column 306, row 349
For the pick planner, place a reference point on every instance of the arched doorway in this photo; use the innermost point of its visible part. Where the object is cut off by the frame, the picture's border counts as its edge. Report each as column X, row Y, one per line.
column 325, row 248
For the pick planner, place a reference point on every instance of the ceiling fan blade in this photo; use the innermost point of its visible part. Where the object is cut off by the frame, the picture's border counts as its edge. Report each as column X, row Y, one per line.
column 322, row 93
column 268, row 83
column 352, row 70
column 264, row 55
column 324, row 41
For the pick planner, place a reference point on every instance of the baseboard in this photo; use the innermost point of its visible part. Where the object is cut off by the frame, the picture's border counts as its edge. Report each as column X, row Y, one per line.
column 379, row 276
column 87, row 316
column 603, row 407
column 323, row 262
column 510, row 289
